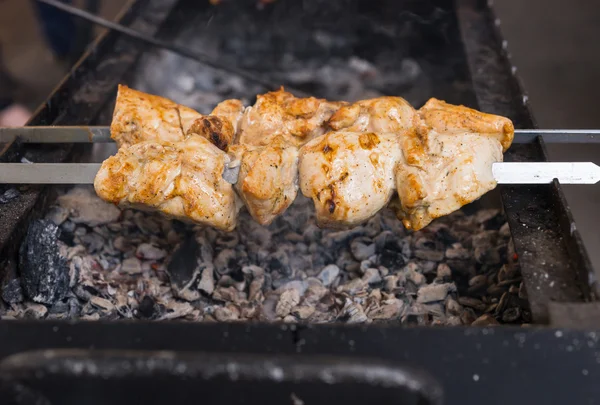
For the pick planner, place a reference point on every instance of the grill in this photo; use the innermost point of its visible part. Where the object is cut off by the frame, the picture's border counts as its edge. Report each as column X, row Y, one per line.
column 397, row 317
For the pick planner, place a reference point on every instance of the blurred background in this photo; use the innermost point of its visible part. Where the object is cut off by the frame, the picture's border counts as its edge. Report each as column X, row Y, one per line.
column 553, row 45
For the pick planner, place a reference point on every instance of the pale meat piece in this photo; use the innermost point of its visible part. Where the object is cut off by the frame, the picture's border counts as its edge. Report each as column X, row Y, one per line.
column 267, row 180
column 182, row 180
column 446, row 118
column 279, row 113
column 141, row 117
column 447, row 161
column 349, row 175
column 267, row 147
column 380, row 115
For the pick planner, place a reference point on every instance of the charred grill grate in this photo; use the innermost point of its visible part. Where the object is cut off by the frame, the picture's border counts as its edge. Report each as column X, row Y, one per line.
column 339, row 50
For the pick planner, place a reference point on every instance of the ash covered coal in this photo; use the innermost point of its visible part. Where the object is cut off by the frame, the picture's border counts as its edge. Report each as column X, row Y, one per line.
column 44, row 271
column 460, row 270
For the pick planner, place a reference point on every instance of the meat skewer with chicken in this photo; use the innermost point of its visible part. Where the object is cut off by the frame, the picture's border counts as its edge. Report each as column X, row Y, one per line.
column 352, row 159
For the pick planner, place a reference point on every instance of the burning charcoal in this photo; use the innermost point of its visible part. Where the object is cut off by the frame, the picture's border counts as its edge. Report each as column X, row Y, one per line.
column 353, row 287
column 435, row 292
column 58, row 215
column 303, row 312
column 87, row 208
column 390, row 309
column 44, row 272
column 443, row 271
column 361, row 249
column 35, row 311
column 372, row 276
column 146, row 224
column 268, row 308
column 345, row 260
column 9, row 195
column 391, row 256
column 225, row 261
column 68, row 226
column 279, row 262
column 122, row 244
column 453, row 307
column 511, row 315
column 353, row 313
column 467, row 316
column 132, row 266
column 329, row 274
column 102, row 303
column 391, row 282
column 12, row 292
column 255, row 288
column 485, row 320
column 147, row 251
column 432, row 255
column 477, row 284
column 93, row 242
column 457, row 252
column 207, row 281
column 175, row 310
column 226, row 314
column 287, row 301
column 472, row 303
column 299, row 285
column 411, row 272
column 148, row 308
column 184, row 268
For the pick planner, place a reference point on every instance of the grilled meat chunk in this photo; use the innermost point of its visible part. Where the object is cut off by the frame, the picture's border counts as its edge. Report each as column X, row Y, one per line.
column 349, row 175
column 447, row 161
column 269, row 135
column 182, row 180
column 139, row 117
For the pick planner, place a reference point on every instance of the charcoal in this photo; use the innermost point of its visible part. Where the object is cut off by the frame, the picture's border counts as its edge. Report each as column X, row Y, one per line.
column 372, row 276
column 44, row 272
column 361, row 249
column 279, row 262
column 485, row 320
column 87, row 208
column 434, row 292
column 58, row 215
column 184, row 269
column 148, row 308
column 329, row 274
column 391, row 256
column 9, row 195
column 12, row 292
column 147, row 251
column 132, row 266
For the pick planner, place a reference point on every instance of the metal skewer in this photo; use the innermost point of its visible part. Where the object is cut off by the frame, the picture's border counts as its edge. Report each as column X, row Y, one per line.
column 504, row 173
column 101, row 134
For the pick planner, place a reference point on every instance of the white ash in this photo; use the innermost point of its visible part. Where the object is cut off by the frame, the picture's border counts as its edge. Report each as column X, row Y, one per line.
column 143, row 265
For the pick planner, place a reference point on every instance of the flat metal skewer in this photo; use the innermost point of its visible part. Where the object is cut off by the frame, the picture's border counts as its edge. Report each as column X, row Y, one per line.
column 101, row 134
column 504, row 173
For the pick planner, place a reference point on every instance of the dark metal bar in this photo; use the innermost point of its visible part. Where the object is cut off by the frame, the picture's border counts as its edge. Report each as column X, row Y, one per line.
column 134, row 376
column 194, row 55
column 468, row 362
column 553, row 259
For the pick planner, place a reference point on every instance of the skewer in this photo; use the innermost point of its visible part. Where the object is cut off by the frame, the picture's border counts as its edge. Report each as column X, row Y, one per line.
column 101, row 134
column 504, row 173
